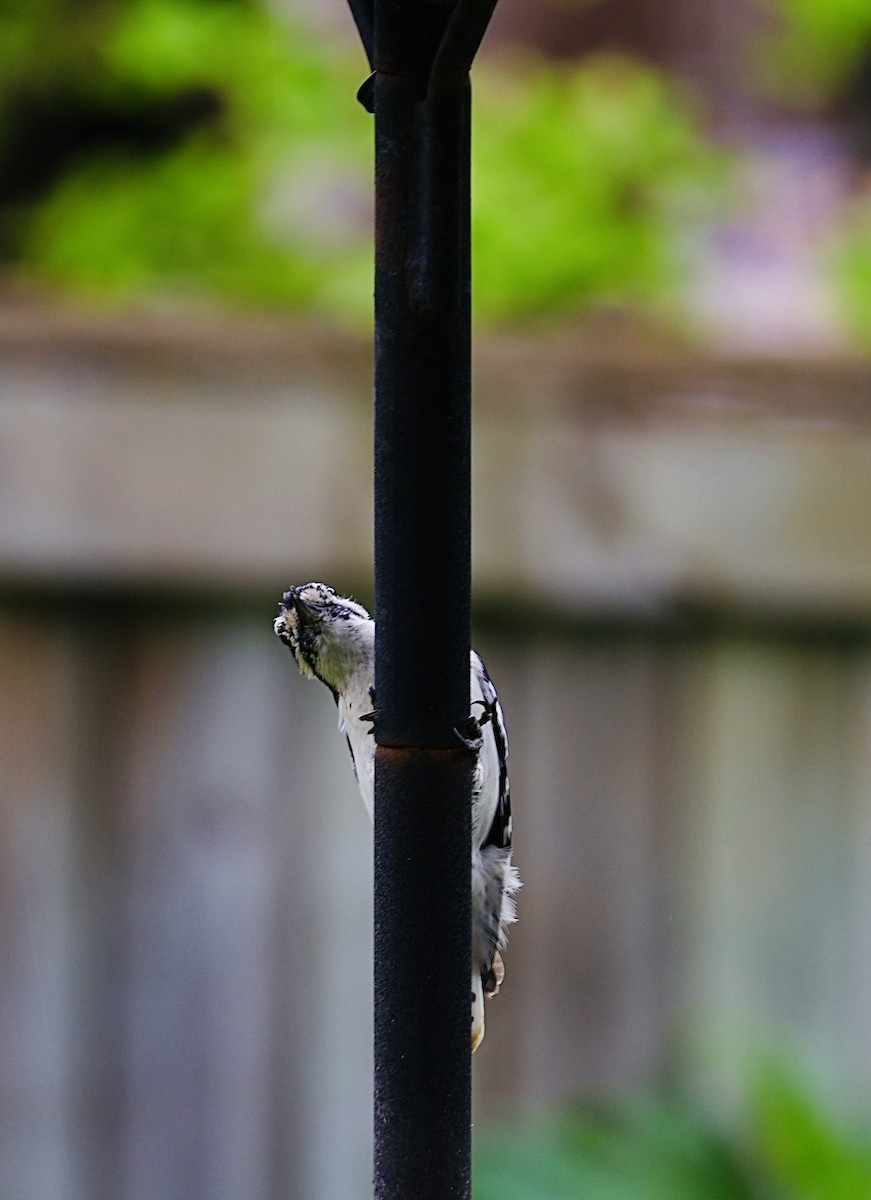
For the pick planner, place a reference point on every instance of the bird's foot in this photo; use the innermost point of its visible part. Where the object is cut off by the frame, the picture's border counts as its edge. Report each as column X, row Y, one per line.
column 469, row 733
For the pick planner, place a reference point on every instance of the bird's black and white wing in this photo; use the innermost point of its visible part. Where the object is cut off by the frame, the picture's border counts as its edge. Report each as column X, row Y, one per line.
column 494, row 877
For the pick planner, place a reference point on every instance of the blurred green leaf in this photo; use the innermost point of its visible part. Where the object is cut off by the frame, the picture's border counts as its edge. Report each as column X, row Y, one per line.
column 640, row 1151
column 800, row 1146
column 811, row 47
column 584, row 177
column 853, row 269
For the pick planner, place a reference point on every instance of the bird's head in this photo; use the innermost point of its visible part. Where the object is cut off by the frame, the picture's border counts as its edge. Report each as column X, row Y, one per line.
column 330, row 636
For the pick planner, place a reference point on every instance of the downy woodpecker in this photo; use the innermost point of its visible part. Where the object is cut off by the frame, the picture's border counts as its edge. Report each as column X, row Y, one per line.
column 332, row 639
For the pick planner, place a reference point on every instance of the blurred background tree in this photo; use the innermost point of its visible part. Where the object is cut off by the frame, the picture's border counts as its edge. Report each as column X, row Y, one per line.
column 149, row 147
column 211, row 152
column 185, row 148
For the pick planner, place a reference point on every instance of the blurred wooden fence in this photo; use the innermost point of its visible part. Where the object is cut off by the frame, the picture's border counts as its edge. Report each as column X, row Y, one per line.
column 674, row 568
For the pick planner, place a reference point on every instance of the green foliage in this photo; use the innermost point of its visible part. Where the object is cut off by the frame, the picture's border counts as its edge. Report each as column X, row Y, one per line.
column 813, row 48
column 800, row 1147
column 785, row 1146
column 195, row 217
column 853, row 270
column 642, row 1151
column 584, row 175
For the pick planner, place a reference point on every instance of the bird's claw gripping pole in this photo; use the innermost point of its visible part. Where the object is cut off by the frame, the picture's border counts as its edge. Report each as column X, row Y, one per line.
column 420, row 53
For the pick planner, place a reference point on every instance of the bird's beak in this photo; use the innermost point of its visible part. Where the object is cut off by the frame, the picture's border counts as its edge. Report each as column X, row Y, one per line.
column 305, row 613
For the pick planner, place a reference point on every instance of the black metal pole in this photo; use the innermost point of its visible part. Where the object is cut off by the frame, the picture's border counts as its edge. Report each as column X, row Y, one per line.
column 422, row 775
column 421, row 53
column 422, row 566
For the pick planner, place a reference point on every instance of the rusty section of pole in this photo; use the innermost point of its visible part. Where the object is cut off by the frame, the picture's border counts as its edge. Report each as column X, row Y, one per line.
column 420, row 52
